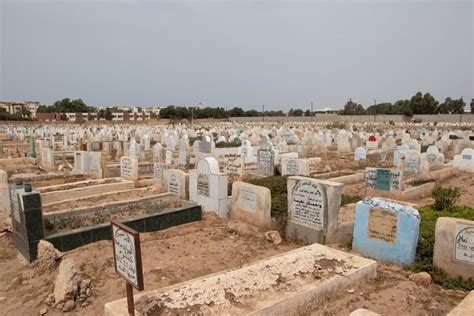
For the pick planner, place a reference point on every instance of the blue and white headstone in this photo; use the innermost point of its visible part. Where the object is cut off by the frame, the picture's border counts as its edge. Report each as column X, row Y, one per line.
column 386, row 231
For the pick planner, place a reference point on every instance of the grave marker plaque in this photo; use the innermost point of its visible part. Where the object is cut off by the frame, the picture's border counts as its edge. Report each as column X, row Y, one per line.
column 173, row 185
column 464, row 243
column 126, row 168
column 127, row 254
column 383, row 180
column 382, row 225
column 203, row 184
column 128, row 259
column 265, row 161
column 292, row 167
column 248, row 199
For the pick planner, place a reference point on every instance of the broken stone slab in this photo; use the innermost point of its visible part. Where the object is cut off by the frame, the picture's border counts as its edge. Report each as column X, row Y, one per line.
column 64, row 283
column 47, row 255
column 278, row 285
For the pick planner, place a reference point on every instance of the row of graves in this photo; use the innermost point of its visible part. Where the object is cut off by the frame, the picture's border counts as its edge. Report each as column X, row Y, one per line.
column 156, row 177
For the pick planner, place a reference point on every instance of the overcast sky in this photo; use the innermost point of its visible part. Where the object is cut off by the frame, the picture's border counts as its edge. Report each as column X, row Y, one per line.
column 281, row 54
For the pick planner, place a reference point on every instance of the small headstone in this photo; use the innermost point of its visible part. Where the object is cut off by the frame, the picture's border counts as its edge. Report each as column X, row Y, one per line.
column 251, row 204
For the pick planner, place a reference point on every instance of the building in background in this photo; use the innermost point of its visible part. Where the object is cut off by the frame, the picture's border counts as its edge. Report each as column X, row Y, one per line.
column 19, row 107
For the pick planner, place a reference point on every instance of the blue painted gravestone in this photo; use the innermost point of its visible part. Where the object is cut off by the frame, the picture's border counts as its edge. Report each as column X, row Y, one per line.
column 386, row 231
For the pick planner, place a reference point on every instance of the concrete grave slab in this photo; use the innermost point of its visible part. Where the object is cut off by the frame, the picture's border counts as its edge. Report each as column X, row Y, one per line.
column 258, row 287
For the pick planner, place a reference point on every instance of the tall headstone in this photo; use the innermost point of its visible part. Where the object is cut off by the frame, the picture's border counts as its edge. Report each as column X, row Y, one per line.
column 313, row 208
column 208, row 187
column 266, row 161
column 129, row 168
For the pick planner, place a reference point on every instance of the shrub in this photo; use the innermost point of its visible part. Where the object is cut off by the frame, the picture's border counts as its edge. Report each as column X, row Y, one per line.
column 278, row 188
column 445, row 198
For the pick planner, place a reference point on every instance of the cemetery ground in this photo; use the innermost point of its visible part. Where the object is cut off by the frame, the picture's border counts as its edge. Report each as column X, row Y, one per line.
column 170, row 256
column 147, row 184
column 192, row 250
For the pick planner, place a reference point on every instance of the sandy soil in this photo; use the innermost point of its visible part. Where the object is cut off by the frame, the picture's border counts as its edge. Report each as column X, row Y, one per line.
column 169, row 256
column 73, row 222
column 104, row 198
column 390, row 293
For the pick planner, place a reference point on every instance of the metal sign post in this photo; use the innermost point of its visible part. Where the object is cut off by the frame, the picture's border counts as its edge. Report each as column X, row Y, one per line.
column 128, row 259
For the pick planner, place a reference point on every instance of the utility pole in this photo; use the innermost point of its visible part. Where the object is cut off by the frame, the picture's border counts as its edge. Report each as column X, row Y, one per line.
column 311, row 111
column 375, row 113
column 263, row 112
column 192, row 115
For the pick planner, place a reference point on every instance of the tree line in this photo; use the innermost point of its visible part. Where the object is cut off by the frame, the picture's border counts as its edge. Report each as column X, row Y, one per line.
column 418, row 104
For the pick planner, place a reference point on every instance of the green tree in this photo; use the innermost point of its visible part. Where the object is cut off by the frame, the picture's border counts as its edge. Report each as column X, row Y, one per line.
column 236, row 112
column 403, row 107
column 352, row 108
column 424, row 104
column 108, row 114
column 450, row 106
column 295, row 112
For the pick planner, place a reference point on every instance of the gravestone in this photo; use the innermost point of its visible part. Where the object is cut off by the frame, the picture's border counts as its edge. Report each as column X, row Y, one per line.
column 205, row 146
column 386, row 231
column 27, row 220
column 208, row 187
column 134, row 149
column 251, row 204
column 91, row 163
column 372, row 143
column 412, row 162
column 169, row 158
column 454, row 247
column 129, row 168
column 158, row 155
column 383, row 179
column 294, row 167
column 234, row 164
column 247, row 150
column 465, row 160
column 360, row 154
column 5, row 205
column 158, row 171
column 433, row 157
column 313, row 208
column 400, row 153
column 266, row 161
column 178, row 183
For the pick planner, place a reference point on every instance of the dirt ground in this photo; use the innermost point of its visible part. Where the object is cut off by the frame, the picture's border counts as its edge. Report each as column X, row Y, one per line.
column 390, row 293
column 170, row 256
column 105, row 198
column 200, row 248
